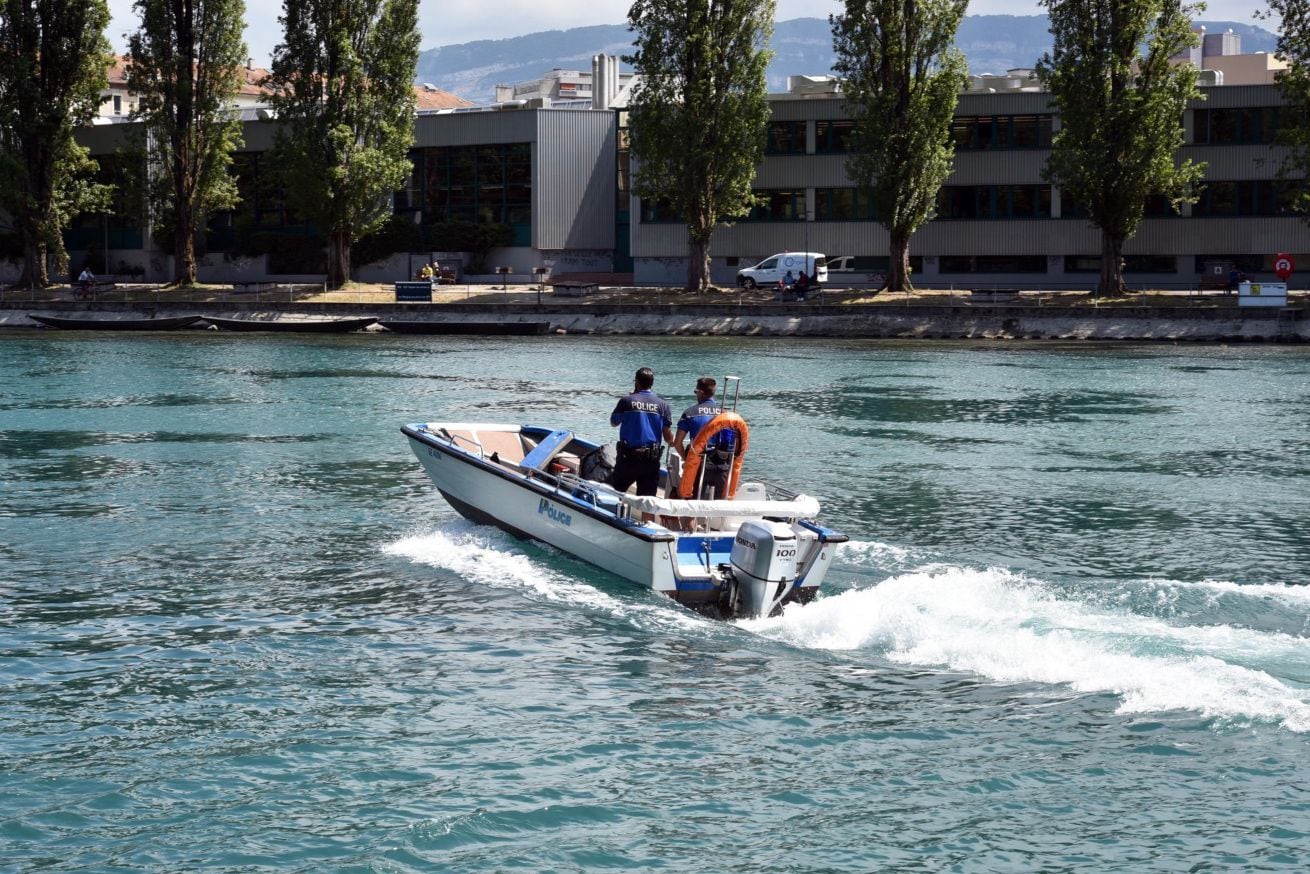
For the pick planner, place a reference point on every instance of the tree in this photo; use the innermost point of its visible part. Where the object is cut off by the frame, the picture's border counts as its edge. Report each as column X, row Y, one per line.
column 699, row 112
column 184, row 65
column 53, row 63
column 1121, row 106
column 901, row 77
column 1294, row 83
column 344, row 98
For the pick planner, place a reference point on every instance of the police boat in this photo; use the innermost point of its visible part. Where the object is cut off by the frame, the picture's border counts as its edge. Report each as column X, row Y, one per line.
column 746, row 554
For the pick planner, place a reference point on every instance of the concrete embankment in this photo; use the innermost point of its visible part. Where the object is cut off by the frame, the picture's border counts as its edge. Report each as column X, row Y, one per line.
column 1201, row 324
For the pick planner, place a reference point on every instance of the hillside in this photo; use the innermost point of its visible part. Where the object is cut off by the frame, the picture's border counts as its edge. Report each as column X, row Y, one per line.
column 992, row 43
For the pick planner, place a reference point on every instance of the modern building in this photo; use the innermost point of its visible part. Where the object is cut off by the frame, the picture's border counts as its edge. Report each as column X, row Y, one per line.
column 549, row 176
column 598, row 88
column 998, row 222
column 559, row 180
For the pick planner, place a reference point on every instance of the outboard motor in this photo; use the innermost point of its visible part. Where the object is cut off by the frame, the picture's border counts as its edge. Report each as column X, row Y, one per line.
column 764, row 565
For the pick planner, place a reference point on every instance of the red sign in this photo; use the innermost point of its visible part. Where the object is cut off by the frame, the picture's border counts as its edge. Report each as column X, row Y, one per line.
column 1284, row 265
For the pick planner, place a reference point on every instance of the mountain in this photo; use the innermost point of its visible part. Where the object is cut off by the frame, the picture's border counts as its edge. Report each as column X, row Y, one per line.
column 992, row 43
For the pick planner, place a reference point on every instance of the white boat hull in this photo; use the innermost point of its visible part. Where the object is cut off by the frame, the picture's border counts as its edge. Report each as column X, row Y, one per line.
column 588, row 520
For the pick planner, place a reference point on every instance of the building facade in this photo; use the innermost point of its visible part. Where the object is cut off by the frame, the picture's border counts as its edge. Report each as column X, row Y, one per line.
column 998, row 221
column 559, row 179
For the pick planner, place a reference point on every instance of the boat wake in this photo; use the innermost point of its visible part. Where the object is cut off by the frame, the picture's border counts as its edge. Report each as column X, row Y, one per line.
column 1162, row 646
column 490, row 557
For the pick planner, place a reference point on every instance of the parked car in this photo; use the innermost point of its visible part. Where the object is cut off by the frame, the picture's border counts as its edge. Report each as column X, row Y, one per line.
column 772, row 269
column 842, row 264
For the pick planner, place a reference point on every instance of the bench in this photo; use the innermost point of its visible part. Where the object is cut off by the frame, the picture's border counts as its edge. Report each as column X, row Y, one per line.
column 507, row 447
column 576, row 289
column 414, row 290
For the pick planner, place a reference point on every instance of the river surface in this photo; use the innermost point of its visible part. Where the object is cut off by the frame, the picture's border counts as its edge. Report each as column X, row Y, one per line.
column 241, row 631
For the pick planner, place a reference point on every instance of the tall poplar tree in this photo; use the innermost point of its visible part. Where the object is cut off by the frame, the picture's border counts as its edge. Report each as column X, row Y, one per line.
column 699, row 113
column 53, row 63
column 901, row 76
column 344, row 96
column 1121, row 104
column 1294, row 83
column 184, row 65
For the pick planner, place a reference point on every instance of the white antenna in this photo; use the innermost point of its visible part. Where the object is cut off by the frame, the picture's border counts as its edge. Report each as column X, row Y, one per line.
column 735, row 381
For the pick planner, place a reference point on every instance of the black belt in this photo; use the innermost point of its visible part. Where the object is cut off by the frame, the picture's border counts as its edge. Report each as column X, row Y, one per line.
column 649, row 452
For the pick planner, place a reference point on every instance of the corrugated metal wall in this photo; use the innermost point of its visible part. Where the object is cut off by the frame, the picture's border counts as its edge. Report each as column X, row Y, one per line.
column 1055, row 236
column 573, row 184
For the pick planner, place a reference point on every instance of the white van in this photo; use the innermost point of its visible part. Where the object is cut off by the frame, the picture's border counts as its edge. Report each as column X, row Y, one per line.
column 769, row 271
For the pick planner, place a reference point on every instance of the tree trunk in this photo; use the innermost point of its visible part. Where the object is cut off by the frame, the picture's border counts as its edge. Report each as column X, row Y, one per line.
column 698, row 263
column 1112, row 266
column 339, row 259
column 34, row 255
column 184, row 246
column 898, row 266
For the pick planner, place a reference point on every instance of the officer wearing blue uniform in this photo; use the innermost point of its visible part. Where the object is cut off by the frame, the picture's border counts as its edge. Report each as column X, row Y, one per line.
column 718, row 452
column 644, row 420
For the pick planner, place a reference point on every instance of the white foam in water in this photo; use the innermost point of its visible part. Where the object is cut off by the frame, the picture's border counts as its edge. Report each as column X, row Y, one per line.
column 489, row 557
column 864, row 552
column 1012, row 630
column 1291, row 594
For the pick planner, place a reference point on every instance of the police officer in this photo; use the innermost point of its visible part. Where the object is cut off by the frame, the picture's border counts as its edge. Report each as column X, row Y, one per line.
column 643, row 419
column 717, row 457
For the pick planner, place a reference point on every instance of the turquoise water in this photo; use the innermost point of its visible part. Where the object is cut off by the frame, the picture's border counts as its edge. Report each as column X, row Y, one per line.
column 240, row 631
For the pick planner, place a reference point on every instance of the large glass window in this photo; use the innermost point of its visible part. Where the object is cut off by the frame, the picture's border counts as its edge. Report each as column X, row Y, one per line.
column 119, row 226
column 1246, row 125
column 843, row 205
column 992, row 264
column 655, row 212
column 778, row 205
column 832, row 137
column 1244, row 198
column 786, row 138
column 486, row 184
column 1132, row 264
column 955, row 202
column 978, row 132
column 1156, row 206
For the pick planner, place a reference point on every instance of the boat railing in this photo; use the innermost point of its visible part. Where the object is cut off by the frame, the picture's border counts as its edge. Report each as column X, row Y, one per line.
column 597, row 494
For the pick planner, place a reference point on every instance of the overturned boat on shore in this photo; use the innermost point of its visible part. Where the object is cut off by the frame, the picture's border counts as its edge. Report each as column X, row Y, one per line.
column 745, row 556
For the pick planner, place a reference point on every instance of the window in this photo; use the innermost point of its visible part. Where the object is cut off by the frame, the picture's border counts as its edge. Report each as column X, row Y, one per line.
column 778, row 205
column 1156, row 206
column 1204, row 264
column 1248, row 125
column 843, row 205
column 118, row 105
column 657, row 212
column 484, row 184
column 786, row 138
column 410, row 198
column 832, row 137
column 992, row 264
column 979, row 132
column 993, row 202
column 1245, row 198
column 1132, row 264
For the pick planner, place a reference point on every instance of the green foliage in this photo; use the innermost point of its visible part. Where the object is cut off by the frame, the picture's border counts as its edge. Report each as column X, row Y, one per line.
column 901, row 77
column 185, row 65
column 1121, row 111
column 398, row 234
column 345, row 105
column 1294, row 83
column 698, row 115
column 53, row 62
column 478, row 239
